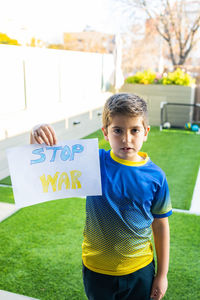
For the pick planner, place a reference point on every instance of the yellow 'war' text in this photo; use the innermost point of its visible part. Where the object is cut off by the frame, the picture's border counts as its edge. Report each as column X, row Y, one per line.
column 57, row 181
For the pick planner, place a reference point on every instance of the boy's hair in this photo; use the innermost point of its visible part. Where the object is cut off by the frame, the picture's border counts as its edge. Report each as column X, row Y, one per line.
column 125, row 104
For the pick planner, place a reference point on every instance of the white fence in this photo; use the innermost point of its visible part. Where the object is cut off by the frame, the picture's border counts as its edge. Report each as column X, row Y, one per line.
column 34, row 79
column 54, row 86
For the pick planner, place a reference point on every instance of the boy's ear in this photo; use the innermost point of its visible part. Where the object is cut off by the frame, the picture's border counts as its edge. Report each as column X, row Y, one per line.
column 146, row 133
column 105, row 133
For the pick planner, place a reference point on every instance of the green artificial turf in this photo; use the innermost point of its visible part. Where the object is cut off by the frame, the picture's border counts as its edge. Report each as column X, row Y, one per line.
column 177, row 153
column 6, row 195
column 184, row 279
column 40, row 252
column 6, row 181
column 40, row 249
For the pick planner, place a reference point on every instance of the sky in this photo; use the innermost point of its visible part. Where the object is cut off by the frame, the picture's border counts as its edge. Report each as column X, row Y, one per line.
column 48, row 19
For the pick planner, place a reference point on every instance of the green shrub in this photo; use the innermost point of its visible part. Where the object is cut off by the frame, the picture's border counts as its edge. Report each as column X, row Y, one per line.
column 178, row 77
column 146, row 77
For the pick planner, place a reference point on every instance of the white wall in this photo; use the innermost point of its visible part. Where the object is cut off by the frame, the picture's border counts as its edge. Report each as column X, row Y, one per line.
column 47, row 85
column 50, row 86
column 11, row 81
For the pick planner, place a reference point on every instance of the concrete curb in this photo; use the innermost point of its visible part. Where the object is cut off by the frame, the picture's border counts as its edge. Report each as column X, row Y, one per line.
column 4, row 295
column 195, row 204
column 189, row 212
column 6, row 210
column 5, row 185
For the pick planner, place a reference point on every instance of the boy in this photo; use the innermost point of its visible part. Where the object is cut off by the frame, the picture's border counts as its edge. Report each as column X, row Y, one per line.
column 117, row 251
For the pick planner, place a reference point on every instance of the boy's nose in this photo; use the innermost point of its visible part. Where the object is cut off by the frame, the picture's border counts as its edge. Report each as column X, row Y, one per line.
column 127, row 137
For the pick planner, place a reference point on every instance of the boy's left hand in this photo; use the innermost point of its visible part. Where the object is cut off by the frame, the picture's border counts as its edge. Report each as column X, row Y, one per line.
column 159, row 287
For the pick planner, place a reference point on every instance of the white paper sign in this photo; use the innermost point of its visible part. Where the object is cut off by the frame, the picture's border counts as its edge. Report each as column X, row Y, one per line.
column 42, row 173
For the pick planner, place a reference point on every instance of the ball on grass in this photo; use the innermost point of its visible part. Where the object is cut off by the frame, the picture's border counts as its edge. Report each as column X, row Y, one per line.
column 195, row 128
column 166, row 125
column 188, row 125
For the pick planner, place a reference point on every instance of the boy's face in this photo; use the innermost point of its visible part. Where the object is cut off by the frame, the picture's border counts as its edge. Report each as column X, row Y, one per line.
column 126, row 136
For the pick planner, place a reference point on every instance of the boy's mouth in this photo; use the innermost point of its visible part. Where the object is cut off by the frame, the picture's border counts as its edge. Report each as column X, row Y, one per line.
column 126, row 148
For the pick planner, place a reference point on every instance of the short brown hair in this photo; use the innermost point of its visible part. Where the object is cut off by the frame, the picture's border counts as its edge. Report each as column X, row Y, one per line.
column 124, row 104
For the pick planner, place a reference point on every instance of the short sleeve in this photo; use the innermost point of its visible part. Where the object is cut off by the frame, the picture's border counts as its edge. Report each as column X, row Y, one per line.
column 161, row 206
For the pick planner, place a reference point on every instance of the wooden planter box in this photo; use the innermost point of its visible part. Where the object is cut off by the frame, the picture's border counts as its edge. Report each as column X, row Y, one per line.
column 155, row 94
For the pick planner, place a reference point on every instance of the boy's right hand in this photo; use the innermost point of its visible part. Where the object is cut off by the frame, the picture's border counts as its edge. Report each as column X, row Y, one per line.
column 43, row 134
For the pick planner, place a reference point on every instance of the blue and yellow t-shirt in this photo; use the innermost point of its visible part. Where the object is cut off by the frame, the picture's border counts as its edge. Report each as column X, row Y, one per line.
column 117, row 234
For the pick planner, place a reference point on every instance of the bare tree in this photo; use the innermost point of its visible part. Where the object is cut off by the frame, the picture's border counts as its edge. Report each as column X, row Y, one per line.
column 177, row 22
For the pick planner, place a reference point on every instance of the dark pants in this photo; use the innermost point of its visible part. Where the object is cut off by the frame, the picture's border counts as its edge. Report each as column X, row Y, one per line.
column 134, row 286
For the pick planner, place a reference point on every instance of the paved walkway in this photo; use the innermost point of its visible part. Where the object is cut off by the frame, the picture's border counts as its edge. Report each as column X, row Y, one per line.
column 11, row 296
column 195, row 204
column 6, row 210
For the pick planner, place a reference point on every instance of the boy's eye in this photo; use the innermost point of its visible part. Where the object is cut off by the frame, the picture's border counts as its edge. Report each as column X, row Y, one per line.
column 117, row 130
column 135, row 131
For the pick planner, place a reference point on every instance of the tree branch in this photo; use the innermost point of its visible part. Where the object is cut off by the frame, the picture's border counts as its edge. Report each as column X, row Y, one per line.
column 171, row 24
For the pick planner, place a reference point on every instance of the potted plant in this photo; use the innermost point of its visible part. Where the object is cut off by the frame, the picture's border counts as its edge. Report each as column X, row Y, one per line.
column 172, row 87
